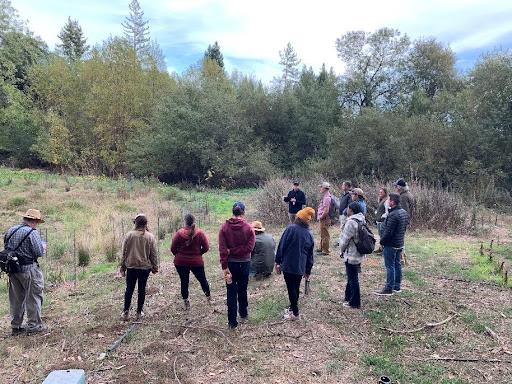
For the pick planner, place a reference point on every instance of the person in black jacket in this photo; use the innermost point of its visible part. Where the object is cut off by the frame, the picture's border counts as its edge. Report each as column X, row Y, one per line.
column 392, row 239
column 294, row 257
column 296, row 199
column 345, row 200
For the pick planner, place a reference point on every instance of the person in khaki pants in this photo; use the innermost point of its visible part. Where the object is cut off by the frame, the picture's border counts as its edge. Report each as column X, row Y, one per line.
column 26, row 286
column 324, row 219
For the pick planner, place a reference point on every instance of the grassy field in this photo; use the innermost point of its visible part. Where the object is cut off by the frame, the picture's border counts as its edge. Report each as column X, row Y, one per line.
column 446, row 278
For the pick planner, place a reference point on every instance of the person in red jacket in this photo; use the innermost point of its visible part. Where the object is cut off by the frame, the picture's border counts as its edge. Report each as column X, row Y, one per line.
column 236, row 242
column 188, row 247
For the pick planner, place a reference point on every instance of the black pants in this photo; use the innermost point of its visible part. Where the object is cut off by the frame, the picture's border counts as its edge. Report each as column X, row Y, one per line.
column 237, row 291
column 198, row 272
column 293, row 284
column 133, row 276
column 352, row 292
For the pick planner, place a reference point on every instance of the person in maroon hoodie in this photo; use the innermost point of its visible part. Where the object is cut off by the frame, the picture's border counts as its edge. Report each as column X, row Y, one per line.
column 236, row 242
column 188, row 246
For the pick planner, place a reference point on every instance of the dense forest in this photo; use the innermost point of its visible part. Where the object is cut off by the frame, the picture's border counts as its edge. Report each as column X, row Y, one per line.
column 400, row 108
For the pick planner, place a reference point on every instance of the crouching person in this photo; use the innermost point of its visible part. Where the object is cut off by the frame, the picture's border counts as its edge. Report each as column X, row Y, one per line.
column 139, row 260
column 294, row 258
column 351, row 255
column 263, row 254
column 26, row 283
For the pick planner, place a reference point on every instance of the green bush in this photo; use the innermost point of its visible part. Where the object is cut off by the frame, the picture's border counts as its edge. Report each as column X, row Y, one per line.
column 111, row 251
column 17, row 202
column 84, row 256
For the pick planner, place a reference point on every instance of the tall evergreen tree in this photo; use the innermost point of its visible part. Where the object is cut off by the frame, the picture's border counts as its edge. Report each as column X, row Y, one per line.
column 136, row 29
column 73, row 43
column 213, row 53
column 290, row 63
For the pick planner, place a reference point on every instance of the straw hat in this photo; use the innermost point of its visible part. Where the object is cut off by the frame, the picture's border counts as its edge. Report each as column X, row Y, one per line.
column 258, row 226
column 32, row 214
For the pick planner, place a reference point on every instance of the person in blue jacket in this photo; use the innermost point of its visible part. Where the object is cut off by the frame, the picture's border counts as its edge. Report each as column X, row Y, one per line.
column 294, row 258
column 296, row 199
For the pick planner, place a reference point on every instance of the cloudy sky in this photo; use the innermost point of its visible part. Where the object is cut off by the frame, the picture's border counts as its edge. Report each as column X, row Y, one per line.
column 251, row 32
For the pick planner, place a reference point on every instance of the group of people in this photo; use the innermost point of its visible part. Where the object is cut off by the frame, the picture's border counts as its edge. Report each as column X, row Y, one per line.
column 245, row 250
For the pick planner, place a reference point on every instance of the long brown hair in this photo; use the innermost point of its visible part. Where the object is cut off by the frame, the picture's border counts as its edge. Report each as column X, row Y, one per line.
column 190, row 222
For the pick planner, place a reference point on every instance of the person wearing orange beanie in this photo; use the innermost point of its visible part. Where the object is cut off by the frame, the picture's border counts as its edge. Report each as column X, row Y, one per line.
column 294, row 257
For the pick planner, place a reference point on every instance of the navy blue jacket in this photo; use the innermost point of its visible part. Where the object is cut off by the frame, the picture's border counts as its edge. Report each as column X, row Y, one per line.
column 395, row 225
column 295, row 250
column 345, row 200
column 301, row 201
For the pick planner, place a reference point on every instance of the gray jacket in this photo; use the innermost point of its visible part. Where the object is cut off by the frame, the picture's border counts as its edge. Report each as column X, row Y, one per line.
column 348, row 238
column 263, row 254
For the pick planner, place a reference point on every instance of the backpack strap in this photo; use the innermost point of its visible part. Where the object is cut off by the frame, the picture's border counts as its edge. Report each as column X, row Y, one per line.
column 7, row 238
column 24, row 238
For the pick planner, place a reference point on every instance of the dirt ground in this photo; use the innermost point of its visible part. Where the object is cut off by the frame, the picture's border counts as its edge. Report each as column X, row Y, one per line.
column 330, row 344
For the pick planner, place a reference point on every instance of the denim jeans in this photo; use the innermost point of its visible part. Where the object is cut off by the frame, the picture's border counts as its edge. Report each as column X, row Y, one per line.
column 352, row 291
column 237, row 291
column 393, row 267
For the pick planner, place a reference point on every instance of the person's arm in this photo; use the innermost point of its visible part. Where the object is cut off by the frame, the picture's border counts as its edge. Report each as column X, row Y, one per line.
column 153, row 255
column 223, row 250
column 282, row 246
column 124, row 253
column 301, row 199
column 346, row 235
column 389, row 228
column 205, row 245
column 36, row 244
column 310, row 260
column 287, row 198
column 326, row 201
column 175, row 245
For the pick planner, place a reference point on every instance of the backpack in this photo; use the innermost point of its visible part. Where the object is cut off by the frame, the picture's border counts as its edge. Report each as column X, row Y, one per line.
column 334, row 209
column 9, row 261
column 366, row 240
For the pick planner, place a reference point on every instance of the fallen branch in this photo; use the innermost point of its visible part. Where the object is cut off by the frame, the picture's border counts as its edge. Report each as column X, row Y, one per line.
column 427, row 325
column 470, row 359
column 118, row 342
column 176, row 373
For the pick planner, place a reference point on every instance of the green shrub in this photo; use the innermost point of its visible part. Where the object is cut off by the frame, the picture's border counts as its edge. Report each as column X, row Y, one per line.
column 111, row 251
column 17, row 202
column 84, row 256
column 57, row 250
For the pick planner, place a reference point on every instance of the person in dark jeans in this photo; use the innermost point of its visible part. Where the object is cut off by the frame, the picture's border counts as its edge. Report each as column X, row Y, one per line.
column 139, row 259
column 188, row 246
column 236, row 243
column 294, row 258
column 351, row 256
column 296, row 199
column 392, row 239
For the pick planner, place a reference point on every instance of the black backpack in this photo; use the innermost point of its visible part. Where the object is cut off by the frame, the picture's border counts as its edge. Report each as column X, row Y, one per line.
column 9, row 261
column 366, row 240
column 334, row 209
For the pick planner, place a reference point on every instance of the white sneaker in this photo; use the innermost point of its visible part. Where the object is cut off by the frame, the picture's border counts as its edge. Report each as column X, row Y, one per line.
column 290, row 316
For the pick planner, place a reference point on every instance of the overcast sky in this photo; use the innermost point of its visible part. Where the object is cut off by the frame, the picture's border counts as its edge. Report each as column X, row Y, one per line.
column 251, row 32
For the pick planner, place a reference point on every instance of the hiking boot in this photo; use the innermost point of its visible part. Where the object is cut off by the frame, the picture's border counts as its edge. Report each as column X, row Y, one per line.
column 125, row 316
column 18, row 331
column 290, row 316
column 384, row 292
column 397, row 290
column 38, row 329
column 140, row 315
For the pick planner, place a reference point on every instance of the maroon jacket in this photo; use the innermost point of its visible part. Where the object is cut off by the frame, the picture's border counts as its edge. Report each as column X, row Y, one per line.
column 189, row 255
column 236, row 241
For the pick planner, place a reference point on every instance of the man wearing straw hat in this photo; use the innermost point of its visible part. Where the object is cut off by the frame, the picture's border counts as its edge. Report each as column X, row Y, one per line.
column 26, row 286
column 264, row 252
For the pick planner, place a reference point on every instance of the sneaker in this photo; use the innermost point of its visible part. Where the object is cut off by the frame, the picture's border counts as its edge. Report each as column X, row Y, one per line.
column 290, row 316
column 125, row 316
column 244, row 320
column 347, row 305
column 384, row 292
column 140, row 316
column 186, row 305
column 18, row 331
column 38, row 329
column 287, row 310
column 232, row 327
column 397, row 290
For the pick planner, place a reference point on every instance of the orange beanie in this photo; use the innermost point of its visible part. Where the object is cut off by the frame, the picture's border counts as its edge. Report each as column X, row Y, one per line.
column 306, row 214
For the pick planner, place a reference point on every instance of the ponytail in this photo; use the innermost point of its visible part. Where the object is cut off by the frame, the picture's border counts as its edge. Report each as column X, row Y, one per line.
column 190, row 221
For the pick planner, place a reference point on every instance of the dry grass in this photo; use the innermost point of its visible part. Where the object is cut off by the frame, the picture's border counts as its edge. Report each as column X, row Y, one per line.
column 329, row 345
